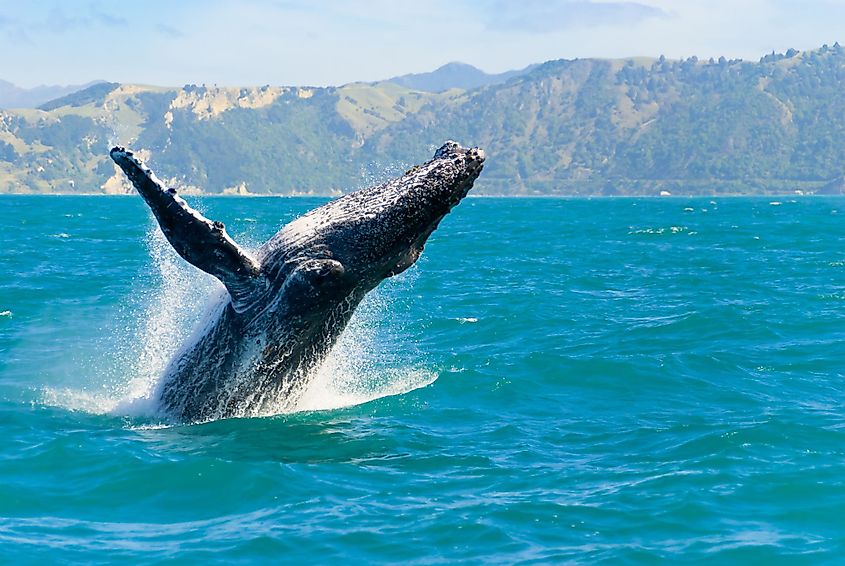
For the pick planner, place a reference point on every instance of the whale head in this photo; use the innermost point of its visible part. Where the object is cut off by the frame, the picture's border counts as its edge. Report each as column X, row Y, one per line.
column 379, row 232
column 364, row 237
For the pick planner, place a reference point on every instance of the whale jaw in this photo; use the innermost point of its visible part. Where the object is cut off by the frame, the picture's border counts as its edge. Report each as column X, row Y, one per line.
column 381, row 231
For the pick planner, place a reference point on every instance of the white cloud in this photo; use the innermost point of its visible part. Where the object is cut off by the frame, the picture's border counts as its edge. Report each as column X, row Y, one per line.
column 544, row 16
column 333, row 42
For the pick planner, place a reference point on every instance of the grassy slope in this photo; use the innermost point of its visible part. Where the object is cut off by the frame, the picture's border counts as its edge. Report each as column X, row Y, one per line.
column 574, row 127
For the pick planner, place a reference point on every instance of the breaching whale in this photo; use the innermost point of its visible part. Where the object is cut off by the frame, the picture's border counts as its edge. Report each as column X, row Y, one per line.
column 288, row 302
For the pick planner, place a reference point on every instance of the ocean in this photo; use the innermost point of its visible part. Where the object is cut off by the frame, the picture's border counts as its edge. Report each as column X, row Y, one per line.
column 615, row 380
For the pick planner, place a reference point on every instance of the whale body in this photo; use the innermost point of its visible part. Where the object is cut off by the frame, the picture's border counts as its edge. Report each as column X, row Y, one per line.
column 288, row 302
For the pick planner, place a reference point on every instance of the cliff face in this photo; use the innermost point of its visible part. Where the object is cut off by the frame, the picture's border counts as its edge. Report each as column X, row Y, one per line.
column 564, row 127
column 286, row 140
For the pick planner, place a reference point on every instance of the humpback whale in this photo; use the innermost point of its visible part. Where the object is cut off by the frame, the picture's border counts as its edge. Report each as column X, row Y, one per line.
column 288, row 301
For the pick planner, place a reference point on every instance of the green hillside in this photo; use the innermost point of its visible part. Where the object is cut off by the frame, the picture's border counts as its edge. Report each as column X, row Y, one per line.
column 565, row 127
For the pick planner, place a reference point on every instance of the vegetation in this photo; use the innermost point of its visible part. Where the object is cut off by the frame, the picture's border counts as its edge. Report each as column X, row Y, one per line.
column 565, row 127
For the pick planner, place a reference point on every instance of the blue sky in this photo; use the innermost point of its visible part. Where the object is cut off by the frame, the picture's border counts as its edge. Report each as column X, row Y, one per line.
column 297, row 42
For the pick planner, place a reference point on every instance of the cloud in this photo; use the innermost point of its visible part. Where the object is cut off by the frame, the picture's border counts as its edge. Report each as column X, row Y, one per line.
column 544, row 16
column 109, row 19
column 12, row 30
column 56, row 20
column 294, row 6
column 169, row 31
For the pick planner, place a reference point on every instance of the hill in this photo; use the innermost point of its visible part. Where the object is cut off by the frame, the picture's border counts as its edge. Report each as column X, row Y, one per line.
column 587, row 126
column 454, row 75
column 12, row 96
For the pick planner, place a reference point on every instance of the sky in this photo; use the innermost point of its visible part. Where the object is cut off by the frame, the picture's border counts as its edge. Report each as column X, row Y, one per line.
column 325, row 42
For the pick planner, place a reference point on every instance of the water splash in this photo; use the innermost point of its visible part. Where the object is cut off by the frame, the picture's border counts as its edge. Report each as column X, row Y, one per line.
column 183, row 296
column 370, row 360
column 149, row 327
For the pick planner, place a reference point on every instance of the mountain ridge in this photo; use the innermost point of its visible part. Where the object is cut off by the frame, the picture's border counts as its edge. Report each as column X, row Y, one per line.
column 454, row 75
column 13, row 96
column 565, row 127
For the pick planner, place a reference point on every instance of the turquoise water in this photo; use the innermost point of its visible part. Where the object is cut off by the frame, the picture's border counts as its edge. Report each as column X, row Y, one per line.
column 620, row 380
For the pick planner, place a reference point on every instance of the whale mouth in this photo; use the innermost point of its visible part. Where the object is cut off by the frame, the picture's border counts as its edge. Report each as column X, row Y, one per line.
column 477, row 154
column 475, row 158
column 475, row 162
column 408, row 259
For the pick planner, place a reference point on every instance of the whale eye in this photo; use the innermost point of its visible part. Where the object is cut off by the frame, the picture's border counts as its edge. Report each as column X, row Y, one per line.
column 321, row 272
column 328, row 270
column 314, row 278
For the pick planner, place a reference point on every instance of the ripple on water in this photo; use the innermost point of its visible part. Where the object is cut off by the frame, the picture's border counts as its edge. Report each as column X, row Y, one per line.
column 558, row 380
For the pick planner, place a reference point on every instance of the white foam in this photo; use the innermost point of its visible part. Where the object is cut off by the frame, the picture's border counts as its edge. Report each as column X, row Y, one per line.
column 366, row 364
column 172, row 309
column 127, row 367
column 79, row 400
column 337, row 390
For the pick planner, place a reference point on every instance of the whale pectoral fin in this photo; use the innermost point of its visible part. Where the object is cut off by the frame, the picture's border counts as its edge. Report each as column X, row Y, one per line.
column 197, row 239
